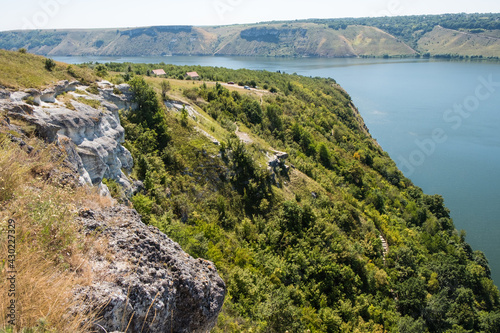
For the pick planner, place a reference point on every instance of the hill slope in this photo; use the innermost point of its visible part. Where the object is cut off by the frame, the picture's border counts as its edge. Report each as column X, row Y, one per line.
column 308, row 221
column 447, row 41
column 91, row 256
column 305, row 39
column 389, row 36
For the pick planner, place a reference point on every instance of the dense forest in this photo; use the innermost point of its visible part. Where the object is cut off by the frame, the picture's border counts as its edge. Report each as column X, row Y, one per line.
column 300, row 243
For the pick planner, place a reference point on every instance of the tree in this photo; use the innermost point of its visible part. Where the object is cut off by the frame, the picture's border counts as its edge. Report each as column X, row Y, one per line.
column 165, row 87
column 184, row 116
column 324, row 156
column 149, row 110
column 274, row 116
column 252, row 110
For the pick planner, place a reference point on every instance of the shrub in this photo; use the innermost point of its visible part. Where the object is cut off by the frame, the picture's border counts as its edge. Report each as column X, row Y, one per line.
column 115, row 189
column 165, row 87
column 30, row 100
column 192, row 93
column 184, row 117
column 93, row 89
column 50, row 64
column 71, row 71
column 101, row 70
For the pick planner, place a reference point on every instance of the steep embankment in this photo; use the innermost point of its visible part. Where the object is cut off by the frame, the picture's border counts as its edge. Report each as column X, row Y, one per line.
column 78, row 261
column 304, row 39
column 327, row 235
column 308, row 39
column 450, row 35
column 86, row 123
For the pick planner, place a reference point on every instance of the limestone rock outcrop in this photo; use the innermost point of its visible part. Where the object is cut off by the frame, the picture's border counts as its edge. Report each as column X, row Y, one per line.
column 146, row 281
column 94, row 131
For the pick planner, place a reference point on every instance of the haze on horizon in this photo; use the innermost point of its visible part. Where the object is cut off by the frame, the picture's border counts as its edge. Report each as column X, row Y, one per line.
column 79, row 14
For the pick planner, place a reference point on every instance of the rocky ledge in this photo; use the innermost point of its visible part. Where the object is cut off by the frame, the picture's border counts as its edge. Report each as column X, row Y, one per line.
column 145, row 281
column 86, row 124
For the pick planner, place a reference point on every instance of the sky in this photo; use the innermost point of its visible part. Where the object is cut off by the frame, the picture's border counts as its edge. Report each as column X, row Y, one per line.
column 65, row 14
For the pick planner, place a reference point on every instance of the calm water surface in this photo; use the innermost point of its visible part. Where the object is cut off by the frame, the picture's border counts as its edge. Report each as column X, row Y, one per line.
column 440, row 122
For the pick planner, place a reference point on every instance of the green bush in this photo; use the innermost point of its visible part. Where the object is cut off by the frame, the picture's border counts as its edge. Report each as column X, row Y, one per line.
column 50, row 64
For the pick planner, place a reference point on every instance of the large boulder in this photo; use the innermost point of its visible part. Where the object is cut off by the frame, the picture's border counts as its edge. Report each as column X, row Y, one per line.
column 145, row 281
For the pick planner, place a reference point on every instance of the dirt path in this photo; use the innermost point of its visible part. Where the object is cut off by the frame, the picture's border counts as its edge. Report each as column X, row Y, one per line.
column 244, row 137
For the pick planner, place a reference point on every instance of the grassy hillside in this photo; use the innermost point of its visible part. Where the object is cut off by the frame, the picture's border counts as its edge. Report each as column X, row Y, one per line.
column 299, row 245
column 23, row 70
column 350, row 37
column 39, row 193
column 305, row 39
column 446, row 41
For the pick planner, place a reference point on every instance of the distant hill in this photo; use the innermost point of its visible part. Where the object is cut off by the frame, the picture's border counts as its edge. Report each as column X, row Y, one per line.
column 450, row 35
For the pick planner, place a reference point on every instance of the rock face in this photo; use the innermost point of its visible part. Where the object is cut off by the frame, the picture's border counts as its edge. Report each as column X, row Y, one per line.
column 93, row 132
column 146, row 281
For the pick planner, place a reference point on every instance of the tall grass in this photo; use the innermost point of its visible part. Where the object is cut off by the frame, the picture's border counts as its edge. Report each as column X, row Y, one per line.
column 51, row 254
column 23, row 70
column 12, row 169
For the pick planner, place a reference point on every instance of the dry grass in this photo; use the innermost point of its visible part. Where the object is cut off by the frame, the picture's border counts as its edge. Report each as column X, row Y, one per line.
column 51, row 254
column 12, row 169
column 90, row 102
column 43, row 293
column 24, row 70
column 447, row 41
column 66, row 99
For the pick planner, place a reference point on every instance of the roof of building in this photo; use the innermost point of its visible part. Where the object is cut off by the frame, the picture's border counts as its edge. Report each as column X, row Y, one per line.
column 159, row 72
column 192, row 74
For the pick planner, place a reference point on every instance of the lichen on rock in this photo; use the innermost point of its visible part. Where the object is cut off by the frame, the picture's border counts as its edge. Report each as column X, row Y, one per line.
column 146, row 282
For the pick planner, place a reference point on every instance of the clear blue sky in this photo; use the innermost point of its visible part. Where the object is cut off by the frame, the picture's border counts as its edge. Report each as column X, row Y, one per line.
column 52, row 14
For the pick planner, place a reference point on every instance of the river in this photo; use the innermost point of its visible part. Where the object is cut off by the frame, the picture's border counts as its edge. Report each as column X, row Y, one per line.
column 439, row 120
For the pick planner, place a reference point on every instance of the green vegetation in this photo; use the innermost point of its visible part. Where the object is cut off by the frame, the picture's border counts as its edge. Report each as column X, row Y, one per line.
column 50, row 252
column 50, row 64
column 299, row 247
column 90, row 102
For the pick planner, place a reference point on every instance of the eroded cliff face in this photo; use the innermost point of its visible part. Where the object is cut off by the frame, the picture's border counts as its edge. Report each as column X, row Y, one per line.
column 87, row 125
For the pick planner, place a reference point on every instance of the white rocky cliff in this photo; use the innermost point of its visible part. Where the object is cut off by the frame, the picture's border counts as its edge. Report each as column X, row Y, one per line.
column 87, row 125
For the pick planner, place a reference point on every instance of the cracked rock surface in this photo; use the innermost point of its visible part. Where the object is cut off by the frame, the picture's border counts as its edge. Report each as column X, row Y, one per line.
column 145, row 280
